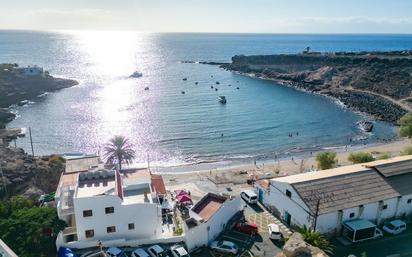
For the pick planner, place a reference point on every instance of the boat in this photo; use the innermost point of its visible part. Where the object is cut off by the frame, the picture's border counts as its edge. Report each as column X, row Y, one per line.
column 216, row 89
column 146, row 88
column 22, row 132
column 136, row 74
column 230, row 85
column 196, row 83
column 365, row 126
column 184, row 79
column 217, row 82
column 221, row 99
column 211, row 86
column 183, row 92
column 237, row 87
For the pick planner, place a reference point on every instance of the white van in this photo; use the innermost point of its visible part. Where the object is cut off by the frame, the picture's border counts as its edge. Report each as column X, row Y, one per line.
column 249, row 196
column 395, row 227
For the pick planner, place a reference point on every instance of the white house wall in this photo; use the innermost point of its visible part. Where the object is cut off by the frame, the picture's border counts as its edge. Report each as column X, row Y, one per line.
column 146, row 217
column 294, row 205
column 404, row 207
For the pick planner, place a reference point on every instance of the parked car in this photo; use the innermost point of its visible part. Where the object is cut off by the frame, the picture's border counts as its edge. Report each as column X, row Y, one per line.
column 378, row 233
column 115, row 252
column 249, row 196
column 274, row 231
column 157, row 251
column 140, row 252
column 179, row 251
column 246, row 227
column 224, row 247
column 395, row 227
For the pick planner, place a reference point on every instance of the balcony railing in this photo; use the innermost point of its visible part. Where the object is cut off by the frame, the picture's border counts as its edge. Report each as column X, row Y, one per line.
column 69, row 231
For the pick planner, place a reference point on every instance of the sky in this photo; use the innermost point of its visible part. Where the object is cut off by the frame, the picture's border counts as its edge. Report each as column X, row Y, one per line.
column 253, row 16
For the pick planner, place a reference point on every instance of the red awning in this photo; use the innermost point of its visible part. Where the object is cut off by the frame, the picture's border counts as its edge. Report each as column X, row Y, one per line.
column 184, row 198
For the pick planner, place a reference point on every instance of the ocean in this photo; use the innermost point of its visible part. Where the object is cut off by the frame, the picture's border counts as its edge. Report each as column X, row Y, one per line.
column 174, row 129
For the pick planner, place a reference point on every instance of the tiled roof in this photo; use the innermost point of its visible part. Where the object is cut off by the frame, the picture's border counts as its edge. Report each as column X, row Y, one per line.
column 393, row 167
column 158, row 184
column 344, row 191
column 208, row 205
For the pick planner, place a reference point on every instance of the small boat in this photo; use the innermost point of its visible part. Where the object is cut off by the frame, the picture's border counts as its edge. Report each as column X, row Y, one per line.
column 221, row 99
column 146, row 88
column 230, row 85
column 211, row 86
column 136, row 74
column 365, row 126
column 196, row 83
column 216, row 89
column 22, row 132
column 211, row 76
column 237, row 87
column 183, row 92
column 184, row 79
column 217, row 82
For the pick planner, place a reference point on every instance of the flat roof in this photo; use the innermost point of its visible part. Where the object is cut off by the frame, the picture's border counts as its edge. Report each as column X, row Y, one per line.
column 208, row 205
column 359, row 224
column 83, row 163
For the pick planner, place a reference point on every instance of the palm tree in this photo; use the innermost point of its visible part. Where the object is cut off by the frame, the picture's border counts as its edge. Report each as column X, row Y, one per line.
column 119, row 149
column 316, row 239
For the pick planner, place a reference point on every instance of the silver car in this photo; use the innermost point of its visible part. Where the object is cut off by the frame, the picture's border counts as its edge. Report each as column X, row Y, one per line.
column 224, row 247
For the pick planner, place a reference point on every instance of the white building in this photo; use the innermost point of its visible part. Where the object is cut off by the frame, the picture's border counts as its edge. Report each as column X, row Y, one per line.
column 324, row 199
column 116, row 208
column 208, row 218
column 30, row 70
column 5, row 250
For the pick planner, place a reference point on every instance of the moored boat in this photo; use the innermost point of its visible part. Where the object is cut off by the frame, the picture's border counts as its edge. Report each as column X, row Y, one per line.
column 136, row 74
column 365, row 126
column 221, row 99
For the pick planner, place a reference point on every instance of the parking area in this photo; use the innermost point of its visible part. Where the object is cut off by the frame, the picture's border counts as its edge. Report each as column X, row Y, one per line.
column 258, row 245
column 390, row 245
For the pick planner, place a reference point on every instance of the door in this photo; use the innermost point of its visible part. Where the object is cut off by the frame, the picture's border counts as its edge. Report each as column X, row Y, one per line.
column 287, row 217
column 261, row 192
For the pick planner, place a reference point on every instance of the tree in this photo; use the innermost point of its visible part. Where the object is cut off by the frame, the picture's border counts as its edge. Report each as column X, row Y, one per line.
column 407, row 150
column 316, row 239
column 119, row 150
column 360, row 157
column 29, row 230
column 405, row 124
column 326, row 160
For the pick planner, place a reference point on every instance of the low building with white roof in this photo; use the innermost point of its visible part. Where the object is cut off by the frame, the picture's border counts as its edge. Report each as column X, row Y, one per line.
column 374, row 191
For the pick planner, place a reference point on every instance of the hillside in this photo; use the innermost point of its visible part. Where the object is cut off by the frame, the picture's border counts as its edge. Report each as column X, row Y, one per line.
column 378, row 83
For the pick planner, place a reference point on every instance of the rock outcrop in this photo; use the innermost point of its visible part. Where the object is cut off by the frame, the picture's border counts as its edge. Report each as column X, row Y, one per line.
column 371, row 82
column 16, row 87
column 24, row 175
column 297, row 247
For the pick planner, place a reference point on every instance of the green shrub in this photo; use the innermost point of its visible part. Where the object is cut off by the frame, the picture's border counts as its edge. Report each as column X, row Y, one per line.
column 326, row 160
column 405, row 124
column 407, row 150
column 316, row 239
column 360, row 157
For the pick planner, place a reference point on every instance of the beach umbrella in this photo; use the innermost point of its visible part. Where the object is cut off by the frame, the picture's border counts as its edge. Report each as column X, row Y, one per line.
column 184, row 198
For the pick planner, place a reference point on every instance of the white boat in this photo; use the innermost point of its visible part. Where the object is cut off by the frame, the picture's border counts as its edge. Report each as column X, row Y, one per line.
column 136, row 74
column 365, row 126
column 22, row 132
column 221, row 99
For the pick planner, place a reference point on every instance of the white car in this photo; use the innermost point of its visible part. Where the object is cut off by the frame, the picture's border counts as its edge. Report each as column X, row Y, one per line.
column 224, row 247
column 179, row 251
column 274, row 232
column 157, row 251
column 140, row 252
column 249, row 196
column 395, row 227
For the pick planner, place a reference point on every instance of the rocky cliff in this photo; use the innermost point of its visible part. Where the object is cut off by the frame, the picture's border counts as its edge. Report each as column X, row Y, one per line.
column 28, row 176
column 377, row 83
column 16, row 87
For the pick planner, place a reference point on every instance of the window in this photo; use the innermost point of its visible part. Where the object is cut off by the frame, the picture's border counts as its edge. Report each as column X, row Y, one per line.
column 351, row 215
column 87, row 213
column 109, row 210
column 409, row 201
column 288, row 193
column 111, row 229
column 89, row 233
column 384, row 207
column 131, row 226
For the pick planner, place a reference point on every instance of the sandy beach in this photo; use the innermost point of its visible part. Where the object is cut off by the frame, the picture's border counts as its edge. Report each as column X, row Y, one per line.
column 233, row 178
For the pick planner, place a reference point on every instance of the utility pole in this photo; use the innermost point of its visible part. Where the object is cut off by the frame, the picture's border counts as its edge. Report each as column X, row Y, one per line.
column 31, row 143
column 316, row 214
